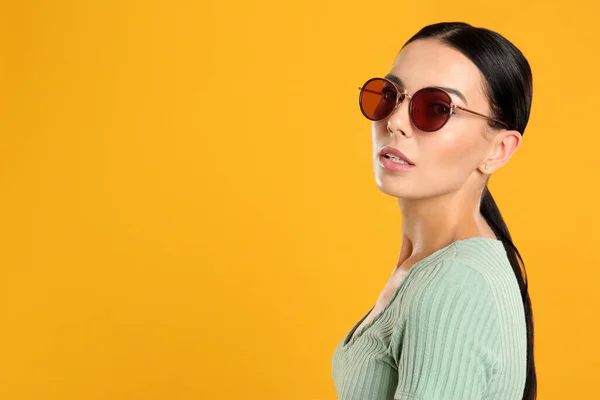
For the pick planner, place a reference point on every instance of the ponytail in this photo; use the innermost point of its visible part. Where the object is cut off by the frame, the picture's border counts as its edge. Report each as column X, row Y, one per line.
column 492, row 215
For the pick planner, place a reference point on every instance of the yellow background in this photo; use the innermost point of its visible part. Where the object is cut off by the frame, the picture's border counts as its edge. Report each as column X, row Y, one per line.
column 187, row 198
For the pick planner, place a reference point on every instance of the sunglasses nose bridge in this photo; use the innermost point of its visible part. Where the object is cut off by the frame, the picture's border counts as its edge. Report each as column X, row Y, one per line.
column 400, row 97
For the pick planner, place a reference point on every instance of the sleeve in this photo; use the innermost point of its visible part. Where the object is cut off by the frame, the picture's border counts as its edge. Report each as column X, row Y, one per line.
column 451, row 337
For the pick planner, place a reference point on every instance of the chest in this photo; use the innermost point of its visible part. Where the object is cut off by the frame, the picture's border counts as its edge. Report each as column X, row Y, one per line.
column 382, row 302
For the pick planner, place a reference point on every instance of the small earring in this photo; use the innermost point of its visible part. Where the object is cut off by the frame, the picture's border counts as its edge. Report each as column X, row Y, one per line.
column 486, row 167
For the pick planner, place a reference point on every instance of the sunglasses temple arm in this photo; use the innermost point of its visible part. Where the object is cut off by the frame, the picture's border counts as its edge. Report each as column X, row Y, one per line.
column 484, row 116
column 370, row 91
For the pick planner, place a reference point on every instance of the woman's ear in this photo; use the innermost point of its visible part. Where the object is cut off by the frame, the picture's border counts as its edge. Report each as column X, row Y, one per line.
column 503, row 146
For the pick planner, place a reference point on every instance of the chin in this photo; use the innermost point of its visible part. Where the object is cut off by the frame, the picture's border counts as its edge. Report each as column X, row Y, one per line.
column 393, row 185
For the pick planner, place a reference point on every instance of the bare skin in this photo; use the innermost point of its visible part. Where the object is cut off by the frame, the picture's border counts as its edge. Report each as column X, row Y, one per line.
column 440, row 197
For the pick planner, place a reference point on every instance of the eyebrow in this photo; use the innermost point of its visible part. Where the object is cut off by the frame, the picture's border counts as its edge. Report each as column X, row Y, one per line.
column 456, row 92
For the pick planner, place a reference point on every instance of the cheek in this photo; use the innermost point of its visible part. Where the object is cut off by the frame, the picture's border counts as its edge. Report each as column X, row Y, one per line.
column 378, row 128
column 450, row 153
column 379, row 135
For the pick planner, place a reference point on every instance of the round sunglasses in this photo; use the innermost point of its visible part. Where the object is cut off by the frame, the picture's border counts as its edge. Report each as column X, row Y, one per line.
column 429, row 108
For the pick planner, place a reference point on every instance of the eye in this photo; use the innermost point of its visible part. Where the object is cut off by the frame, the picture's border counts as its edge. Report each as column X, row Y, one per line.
column 388, row 95
column 440, row 108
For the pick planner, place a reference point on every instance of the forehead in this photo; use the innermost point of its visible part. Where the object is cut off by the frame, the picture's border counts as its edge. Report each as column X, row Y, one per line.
column 429, row 62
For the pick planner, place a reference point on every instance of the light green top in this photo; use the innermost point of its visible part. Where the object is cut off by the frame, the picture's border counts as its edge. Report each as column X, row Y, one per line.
column 453, row 330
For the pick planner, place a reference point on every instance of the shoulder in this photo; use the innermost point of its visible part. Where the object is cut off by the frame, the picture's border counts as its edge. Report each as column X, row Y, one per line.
column 454, row 304
column 452, row 279
column 474, row 270
column 449, row 338
column 452, row 297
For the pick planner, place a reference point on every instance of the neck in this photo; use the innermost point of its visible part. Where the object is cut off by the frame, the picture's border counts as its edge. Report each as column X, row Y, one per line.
column 432, row 223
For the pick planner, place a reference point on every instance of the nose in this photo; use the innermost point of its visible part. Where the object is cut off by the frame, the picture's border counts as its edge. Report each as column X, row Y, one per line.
column 399, row 120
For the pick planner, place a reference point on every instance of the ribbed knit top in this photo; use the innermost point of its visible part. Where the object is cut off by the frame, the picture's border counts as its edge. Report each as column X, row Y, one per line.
column 454, row 329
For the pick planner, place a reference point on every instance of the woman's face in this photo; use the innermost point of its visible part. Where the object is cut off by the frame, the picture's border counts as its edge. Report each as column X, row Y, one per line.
column 446, row 159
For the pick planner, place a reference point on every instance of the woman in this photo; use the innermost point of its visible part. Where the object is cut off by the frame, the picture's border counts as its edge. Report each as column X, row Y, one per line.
column 454, row 321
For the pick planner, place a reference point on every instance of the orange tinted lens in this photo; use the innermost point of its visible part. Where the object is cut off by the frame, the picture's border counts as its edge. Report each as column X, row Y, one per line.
column 377, row 99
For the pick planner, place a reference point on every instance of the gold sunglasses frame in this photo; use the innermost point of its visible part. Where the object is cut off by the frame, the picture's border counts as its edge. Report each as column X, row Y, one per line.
column 401, row 95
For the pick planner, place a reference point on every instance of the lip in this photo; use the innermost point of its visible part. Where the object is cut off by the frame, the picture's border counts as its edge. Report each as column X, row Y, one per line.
column 396, row 152
column 390, row 165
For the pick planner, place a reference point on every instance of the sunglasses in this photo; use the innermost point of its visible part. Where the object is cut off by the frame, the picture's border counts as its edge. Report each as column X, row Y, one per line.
column 429, row 108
